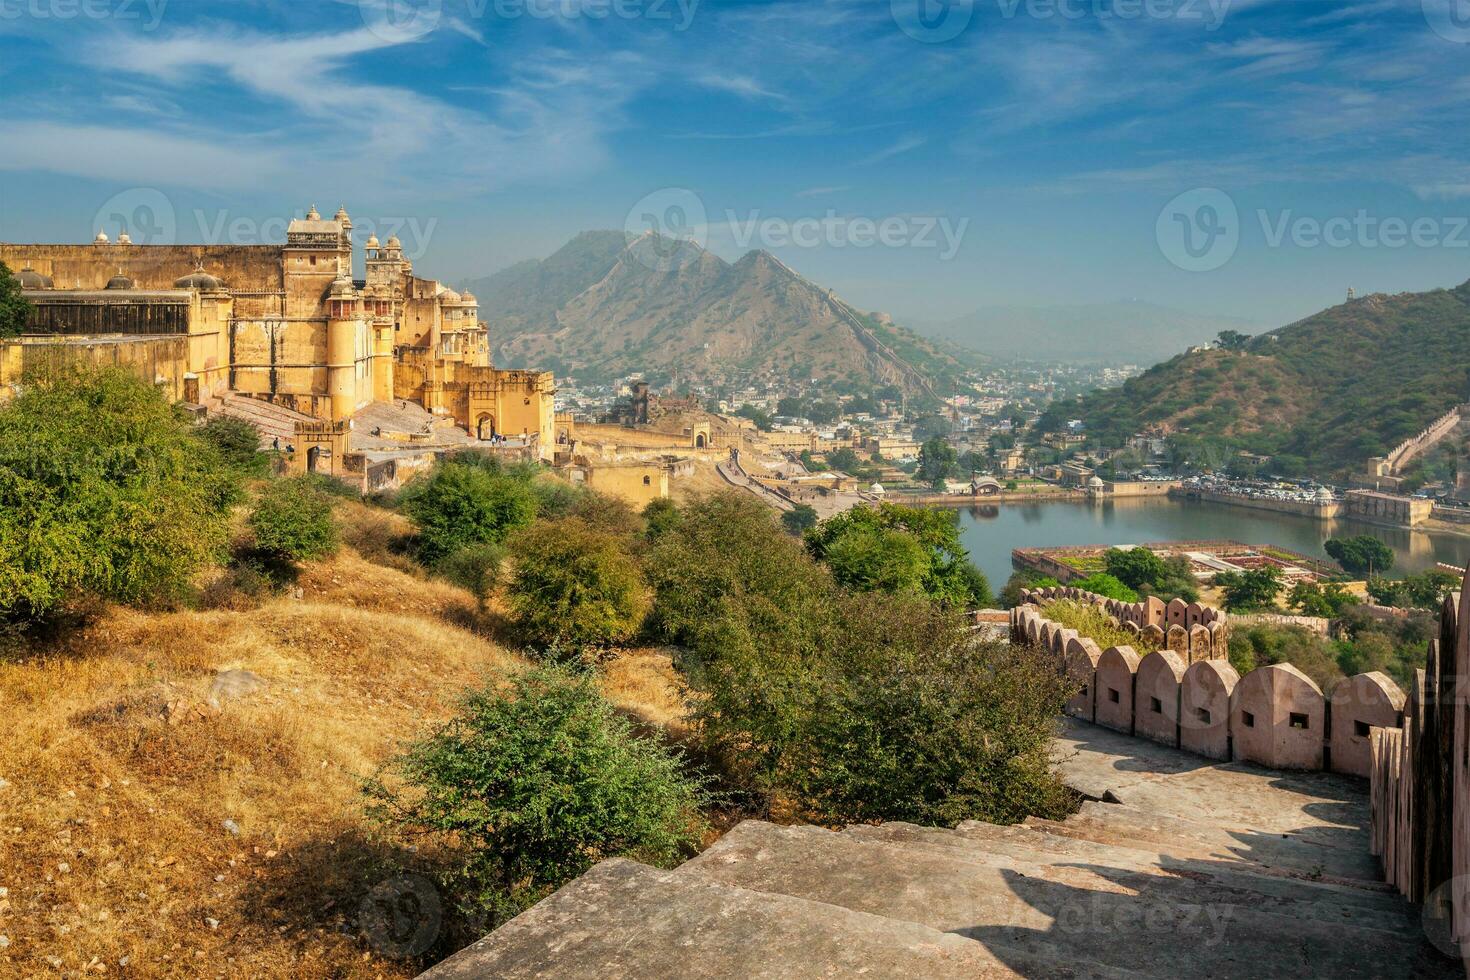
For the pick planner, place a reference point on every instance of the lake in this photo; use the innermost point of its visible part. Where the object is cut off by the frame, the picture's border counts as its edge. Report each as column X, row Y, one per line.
column 990, row 531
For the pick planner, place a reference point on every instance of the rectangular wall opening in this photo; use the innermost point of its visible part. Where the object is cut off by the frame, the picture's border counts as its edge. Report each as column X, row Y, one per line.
column 1298, row 720
column 1156, row 706
column 1360, row 729
column 1113, row 695
column 1203, row 714
column 1248, row 719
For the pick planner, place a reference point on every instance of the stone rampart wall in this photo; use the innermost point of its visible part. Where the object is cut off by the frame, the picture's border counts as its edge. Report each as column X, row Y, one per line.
column 1186, row 695
column 1420, row 770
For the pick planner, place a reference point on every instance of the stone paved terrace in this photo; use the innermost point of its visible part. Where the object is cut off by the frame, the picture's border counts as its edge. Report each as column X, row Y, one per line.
column 1176, row 866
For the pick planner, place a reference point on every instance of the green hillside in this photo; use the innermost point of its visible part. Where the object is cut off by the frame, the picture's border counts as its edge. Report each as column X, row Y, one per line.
column 1322, row 395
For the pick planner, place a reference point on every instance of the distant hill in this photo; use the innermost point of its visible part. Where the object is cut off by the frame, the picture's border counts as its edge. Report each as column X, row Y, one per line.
column 1128, row 332
column 605, row 305
column 1324, row 393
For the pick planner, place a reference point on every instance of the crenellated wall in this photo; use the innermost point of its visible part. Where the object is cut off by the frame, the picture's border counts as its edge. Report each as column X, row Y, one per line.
column 1420, row 795
column 1187, row 695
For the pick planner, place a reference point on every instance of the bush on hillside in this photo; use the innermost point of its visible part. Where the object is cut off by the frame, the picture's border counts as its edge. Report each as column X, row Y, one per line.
column 238, row 443
column 839, row 705
column 292, row 521
column 476, row 567
column 537, row 783
column 15, row 309
column 1091, row 621
column 104, row 491
column 913, row 721
column 1010, row 595
column 466, row 503
column 574, row 585
column 799, row 518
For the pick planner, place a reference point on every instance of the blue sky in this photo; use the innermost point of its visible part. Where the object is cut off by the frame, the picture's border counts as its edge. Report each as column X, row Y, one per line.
column 1049, row 137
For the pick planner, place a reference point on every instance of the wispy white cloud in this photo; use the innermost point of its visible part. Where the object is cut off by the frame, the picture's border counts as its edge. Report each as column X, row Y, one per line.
column 903, row 145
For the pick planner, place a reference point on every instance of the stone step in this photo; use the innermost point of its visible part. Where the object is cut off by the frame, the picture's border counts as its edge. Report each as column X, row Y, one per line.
column 1069, row 912
column 1310, row 852
column 1187, row 880
column 1166, row 855
column 626, row 921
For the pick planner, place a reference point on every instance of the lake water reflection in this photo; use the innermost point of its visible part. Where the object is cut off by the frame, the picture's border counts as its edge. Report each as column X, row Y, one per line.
column 990, row 531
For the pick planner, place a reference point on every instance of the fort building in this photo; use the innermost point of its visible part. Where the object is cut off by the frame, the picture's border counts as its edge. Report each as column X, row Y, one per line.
column 285, row 324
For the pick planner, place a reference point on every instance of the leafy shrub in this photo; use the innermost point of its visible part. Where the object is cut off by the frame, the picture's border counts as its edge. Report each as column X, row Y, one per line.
column 14, row 308
column 466, row 503
column 1255, row 588
column 1090, row 621
column 537, row 783
column 1010, row 595
column 574, row 585
column 238, row 443
column 900, row 549
column 799, row 518
column 292, row 521
column 475, row 567
column 1103, row 584
column 912, row 721
column 104, row 490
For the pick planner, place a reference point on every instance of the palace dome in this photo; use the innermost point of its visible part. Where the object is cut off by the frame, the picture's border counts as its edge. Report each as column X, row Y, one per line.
column 120, row 281
column 200, row 280
column 372, row 241
column 31, row 279
column 393, row 242
column 343, row 289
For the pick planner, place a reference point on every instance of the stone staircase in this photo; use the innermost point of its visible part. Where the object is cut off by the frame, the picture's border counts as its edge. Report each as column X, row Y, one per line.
column 1198, row 868
column 271, row 421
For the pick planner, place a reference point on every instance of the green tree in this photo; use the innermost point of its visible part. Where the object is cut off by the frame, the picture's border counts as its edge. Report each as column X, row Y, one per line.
column 534, row 784
column 574, row 585
column 1421, row 590
column 1137, row 568
column 461, row 504
column 937, row 460
column 15, row 309
column 292, row 521
column 106, row 491
column 1311, row 599
column 761, row 419
column 1255, row 588
column 661, row 515
column 1010, row 594
column 1233, row 339
column 1362, row 555
column 844, row 459
column 791, row 407
column 799, row 518
column 866, row 549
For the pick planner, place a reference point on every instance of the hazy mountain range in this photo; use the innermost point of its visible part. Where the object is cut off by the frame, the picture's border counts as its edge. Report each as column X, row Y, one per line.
column 604, row 305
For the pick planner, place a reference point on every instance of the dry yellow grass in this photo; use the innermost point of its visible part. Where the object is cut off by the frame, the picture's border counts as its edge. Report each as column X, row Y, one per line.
column 114, row 856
